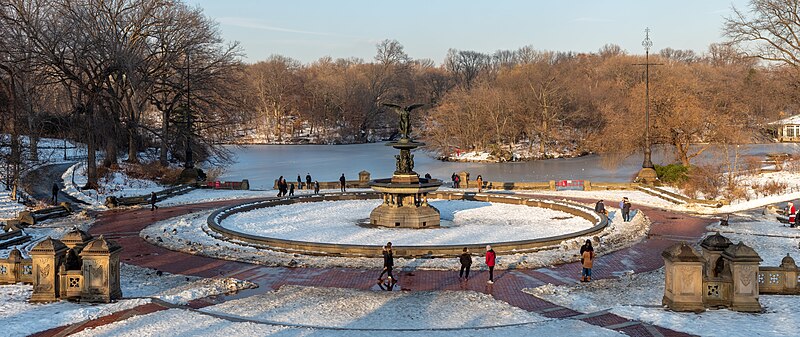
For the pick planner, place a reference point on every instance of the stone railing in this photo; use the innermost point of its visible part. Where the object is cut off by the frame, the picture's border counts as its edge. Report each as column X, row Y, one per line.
column 781, row 280
column 362, row 182
column 228, row 185
column 145, row 199
column 15, row 269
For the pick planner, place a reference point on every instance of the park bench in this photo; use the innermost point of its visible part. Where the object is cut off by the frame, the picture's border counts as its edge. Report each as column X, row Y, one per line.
column 34, row 217
column 13, row 237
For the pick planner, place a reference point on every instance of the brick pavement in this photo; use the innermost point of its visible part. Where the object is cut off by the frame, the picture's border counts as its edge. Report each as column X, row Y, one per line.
column 123, row 226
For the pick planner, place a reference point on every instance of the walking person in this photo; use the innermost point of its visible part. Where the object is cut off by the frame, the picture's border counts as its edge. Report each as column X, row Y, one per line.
column 316, row 187
column 790, row 211
column 626, row 209
column 388, row 262
column 458, row 181
column 153, row 200
column 453, row 178
column 480, row 183
column 291, row 189
column 299, row 182
column 54, row 198
column 280, row 186
column 466, row 262
column 490, row 260
column 342, row 182
column 587, row 259
column 308, row 181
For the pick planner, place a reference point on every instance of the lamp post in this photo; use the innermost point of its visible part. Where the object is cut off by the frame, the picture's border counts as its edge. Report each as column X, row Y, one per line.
column 648, row 173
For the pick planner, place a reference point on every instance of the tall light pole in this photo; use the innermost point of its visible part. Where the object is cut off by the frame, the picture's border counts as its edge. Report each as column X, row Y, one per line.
column 648, row 173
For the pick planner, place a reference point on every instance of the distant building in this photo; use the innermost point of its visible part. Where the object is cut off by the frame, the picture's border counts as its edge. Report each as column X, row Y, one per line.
column 788, row 129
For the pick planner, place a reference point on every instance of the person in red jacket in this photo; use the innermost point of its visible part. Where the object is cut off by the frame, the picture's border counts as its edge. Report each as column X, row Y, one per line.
column 792, row 214
column 490, row 257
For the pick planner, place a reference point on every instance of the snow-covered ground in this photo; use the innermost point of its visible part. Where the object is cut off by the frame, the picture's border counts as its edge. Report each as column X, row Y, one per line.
column 115, row 184
column 302, row 311
column 189, row 233
column 9, row 208
column 139, row 285
column 639, row 296
column 463, row 222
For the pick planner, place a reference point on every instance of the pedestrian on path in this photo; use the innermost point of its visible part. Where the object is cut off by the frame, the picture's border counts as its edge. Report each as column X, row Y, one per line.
column 54, row 198
column 490, row 260
column 316, row 187
column 299, row 182
column 388, row 262
column 600, row 207
column 587, row 258
column 291, row 189
column 281, row 186
column 308, row 181
column 480, row 183
column 626, row 209
column 153, row 200
column 466, row 262
column 791, row 211
column 342, row 183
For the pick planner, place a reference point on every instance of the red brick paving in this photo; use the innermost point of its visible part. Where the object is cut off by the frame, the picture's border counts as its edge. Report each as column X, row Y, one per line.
column 124, row 225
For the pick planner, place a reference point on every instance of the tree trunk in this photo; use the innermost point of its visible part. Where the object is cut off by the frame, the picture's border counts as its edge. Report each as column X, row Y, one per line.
column 34, row 147
column 164, row 132
column 133, row 149
column 91, row 155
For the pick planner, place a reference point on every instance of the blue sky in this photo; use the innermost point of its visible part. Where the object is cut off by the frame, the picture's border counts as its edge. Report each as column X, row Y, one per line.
column 307, row 29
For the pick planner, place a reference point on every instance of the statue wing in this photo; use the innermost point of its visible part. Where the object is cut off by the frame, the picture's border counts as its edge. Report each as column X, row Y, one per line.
column 413, row 106
column 391, row 105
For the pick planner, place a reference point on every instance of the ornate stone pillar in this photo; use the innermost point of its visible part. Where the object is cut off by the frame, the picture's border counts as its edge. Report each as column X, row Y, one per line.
column 790, row 271
column 743, row 262
column 47, row 257
column 101, row 271
column 683, row 283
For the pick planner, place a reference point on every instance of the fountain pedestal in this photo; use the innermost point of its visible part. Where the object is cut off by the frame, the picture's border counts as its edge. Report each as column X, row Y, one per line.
column 405, row 195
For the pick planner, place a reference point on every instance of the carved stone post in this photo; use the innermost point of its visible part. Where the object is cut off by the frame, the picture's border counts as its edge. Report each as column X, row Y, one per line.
column 76, row 239
column 11, row 267
column 47, row 257
column 743, row 262
column 363, row 176
column 790, row 271
column 101, row 271
column 463, row 177
column 683, row 284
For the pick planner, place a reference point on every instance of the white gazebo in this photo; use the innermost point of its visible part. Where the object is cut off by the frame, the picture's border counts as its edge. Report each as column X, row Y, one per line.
column 788, row 129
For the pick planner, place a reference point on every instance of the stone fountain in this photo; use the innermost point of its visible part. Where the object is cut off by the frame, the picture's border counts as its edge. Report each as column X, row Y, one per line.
column 405, row 194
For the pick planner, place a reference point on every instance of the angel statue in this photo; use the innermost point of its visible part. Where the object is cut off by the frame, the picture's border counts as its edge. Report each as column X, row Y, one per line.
column 405, row 114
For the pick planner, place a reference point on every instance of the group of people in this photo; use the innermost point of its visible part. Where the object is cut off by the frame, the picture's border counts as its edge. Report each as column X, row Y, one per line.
column 465, row 259
column 624, row 205
column 285, row 188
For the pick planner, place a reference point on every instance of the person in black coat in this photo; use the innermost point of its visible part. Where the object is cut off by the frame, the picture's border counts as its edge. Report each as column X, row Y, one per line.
column 291, row 189
column 466, row 262
column 316, row 187
column 299, row 182
column 342, row 182
column 308, row 181
column 55, row 193
column 600, row 207
column 153, row 200
column 626, row 209
column 388, row 262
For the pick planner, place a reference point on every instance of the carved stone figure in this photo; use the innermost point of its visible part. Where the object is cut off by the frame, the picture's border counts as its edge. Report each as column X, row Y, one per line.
column 405, row 118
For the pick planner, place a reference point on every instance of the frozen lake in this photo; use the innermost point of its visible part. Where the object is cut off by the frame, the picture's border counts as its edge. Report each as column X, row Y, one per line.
column 262, row 164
